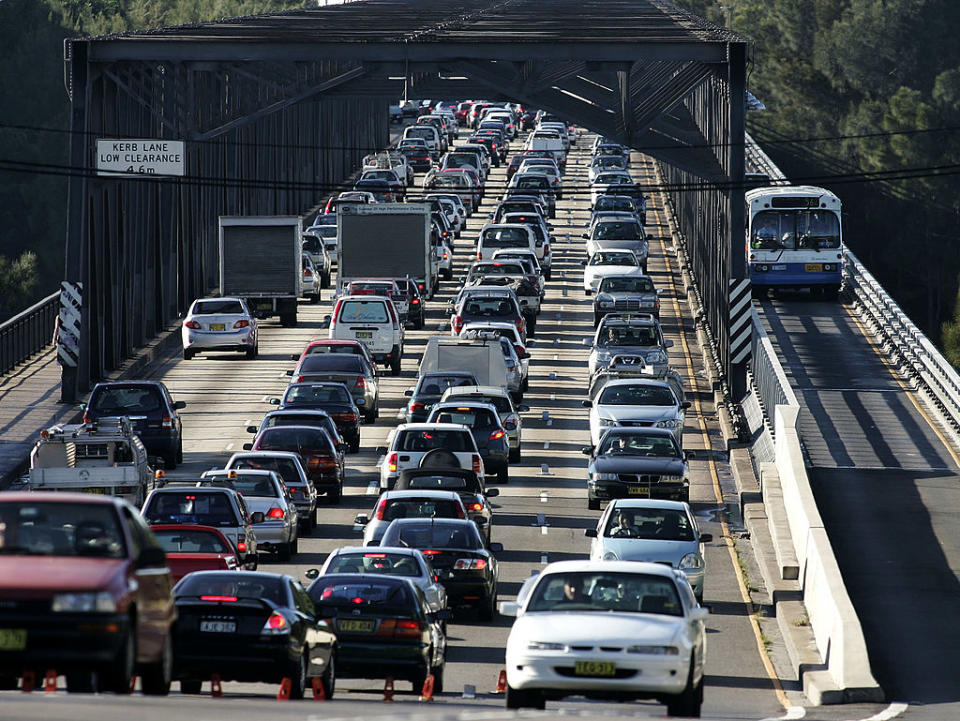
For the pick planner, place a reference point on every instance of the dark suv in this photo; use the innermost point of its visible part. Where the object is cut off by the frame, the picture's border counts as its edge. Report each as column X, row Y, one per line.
column 151, row 410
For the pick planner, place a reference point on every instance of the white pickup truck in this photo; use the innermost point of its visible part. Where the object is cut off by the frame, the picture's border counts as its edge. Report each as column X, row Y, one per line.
column 105, row 457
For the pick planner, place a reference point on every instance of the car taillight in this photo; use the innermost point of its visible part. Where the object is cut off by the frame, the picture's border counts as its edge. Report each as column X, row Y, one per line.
column 477, row 463
column 510, row 423
column 307, row 273
column 457, row 324
column 219, row 599
column 275, row 513
column 299, row 379
column 344, row 417
column 275, row 624
column 361, row 382
column 241, row 324
column 241, row 546
column 475, row 507
column 497, row 435
column 87, row 418
column 293, row 490
column 416, row 301
column 431, row 553
column 520, row 350
column 321, row 463
column 520, row 324
column 420, row 286
column 381, row 506
column 392, row 463
column 192, row 324
column 479, row 255
column 336, row 312
column 166, row 422
column 546, row 249
column 404, row 628
column 470, row 564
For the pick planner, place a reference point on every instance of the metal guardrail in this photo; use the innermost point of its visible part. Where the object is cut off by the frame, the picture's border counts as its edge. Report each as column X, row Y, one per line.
column 29, row 332
column 918, row 354
column 771, row 383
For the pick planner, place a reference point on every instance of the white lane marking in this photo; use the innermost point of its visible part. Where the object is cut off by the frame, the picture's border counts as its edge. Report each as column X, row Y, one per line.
column 373, row 488
column 229, row 447
column 265, row 399
column 553, row 396
column 555, row 357
column 248, row 422
column 543, row 530
column 543, row 496
column 892, row 711
column 546, row 445
column 543, row 558
column 792, row 714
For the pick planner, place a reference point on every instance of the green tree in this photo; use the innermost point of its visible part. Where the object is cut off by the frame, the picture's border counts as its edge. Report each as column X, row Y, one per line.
column 18, row 279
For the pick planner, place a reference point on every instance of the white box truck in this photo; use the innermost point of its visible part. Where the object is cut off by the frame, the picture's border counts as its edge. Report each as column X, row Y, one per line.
column 484, row 359
column 260, row 261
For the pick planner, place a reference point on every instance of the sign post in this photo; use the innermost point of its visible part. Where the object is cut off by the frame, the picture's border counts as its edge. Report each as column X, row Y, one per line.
column 138, row 158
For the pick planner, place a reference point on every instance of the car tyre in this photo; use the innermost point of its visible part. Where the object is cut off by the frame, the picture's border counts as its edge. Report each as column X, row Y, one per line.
column 593, row 504
column 438, row 679
column 596, row 319
column 526, row 698
column 334, row 495
column 188, row 354
column 395, row 363
column 117, row 677
column 283, row 552
column 370, row 417
column 155, row 677
column 503, row 474
column 515, row 455
column 355, row 446
column 298, row 677
column 251, row 352
column 191, row 686
column 418, row 679
column 547, row 272
column 170, row 461
column 329, row 678
column 687, row 703
column 488, row 611
column 418, row 325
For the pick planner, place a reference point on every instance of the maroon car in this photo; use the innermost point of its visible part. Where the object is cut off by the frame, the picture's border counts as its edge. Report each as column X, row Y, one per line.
column 85, row 591
column 195, row 548
column 321, row 455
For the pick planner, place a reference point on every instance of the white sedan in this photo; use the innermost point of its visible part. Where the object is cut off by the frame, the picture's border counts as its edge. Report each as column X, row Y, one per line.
column 609, row 262
column 219, row 324
column 607, row 629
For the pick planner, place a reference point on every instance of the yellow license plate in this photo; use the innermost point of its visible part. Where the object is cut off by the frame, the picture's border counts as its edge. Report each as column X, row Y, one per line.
column 352, row 625
column 217, row 326
column 814, row 267
column 638, row 490
column 99, row 491
column 364, row 334
column 13, row 639
column 594, row 668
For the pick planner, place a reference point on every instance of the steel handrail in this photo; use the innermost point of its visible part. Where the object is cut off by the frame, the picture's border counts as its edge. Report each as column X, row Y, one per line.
column 28, row 332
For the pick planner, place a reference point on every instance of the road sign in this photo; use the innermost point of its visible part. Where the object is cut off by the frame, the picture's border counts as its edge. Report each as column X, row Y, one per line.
column 137, row 158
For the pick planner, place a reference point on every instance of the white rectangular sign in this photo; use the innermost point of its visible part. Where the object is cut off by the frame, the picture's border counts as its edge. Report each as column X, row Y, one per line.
column 140, row 157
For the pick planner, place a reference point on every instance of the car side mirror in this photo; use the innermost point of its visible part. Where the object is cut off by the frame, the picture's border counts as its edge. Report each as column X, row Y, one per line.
column 361, row 401
column 685, row 405
column 251, row 429
column 668, row 344
column 523, row 408
column 509, row 608
column 343, row 447
column 82, row 406
column 274, row 401
column 289, row 373
column 362, row 519
column 590, row 532
column 584, row 263
column 257, row 517
column 495, row 547
column 151, row 557
column 706, row 538
column 587, row 404
column 587, row 450
column 179, row 405
column 312, row 573
column 326, row 322
column 585, row 235
column 492, row 492
column 689, row 455
column 523, row 356
column 699, row 614
column 248, row 446
column 408, row 393
column 294, row 356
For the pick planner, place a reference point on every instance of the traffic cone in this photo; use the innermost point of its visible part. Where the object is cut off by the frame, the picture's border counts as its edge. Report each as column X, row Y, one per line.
column 284, row 693
column 216, row 690
column 388, row 690
column 50, row 682
column 28, row 681
column 133, row 683
column 318, row 693
column 426, row 694
column 502, row 682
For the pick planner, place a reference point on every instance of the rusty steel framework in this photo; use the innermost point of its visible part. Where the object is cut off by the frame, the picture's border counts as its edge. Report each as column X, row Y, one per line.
column 278, row 109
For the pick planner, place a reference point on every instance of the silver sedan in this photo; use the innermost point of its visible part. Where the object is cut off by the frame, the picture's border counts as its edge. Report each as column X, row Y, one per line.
column 219, row 324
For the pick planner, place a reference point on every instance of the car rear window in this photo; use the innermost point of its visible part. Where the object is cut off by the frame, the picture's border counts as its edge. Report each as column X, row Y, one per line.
column 626, row 285
column 386, row 563
column 214, row 307
column 433, row 535
column 234, row 585
column 286, row 468
column 190, row 506
column 363, row 311
column 455, row 441
column 345, row 348
column 346, row 362
column 470, row 417
column 121, row 400
column 309, row 393
column 435, row 385
column 251, row 486
column 371, row 595
column 426, row 507
column 60, row 529
column 293, row 437
column 191, row 541
column 540, row 182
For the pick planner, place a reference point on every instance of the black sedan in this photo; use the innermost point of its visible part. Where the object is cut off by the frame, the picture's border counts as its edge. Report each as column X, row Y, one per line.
column 247, row 626
column 637, row 463
column 333, row 398
column 430, row 389
column 466, row 483
column 384, row 627
column 466, row 566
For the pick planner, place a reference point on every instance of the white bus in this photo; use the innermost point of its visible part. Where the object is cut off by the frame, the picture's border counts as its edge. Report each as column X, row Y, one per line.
column 794, row 238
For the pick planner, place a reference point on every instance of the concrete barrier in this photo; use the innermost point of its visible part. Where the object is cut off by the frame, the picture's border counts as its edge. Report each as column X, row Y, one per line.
column 835, row 625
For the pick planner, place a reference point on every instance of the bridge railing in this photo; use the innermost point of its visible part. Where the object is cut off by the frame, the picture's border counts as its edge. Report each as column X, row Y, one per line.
column 907, row 343
column 769, row 379
column 29, row 332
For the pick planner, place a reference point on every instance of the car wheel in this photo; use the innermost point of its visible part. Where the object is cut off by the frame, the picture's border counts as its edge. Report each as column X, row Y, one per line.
column 251, row 352
column 117, row 676
column 370, row 417
column 395, row 363
column 283, row 552
column 191, row 686
column 515, row 455
column 314, row 298
column 170, row 461
column 547, row 271
column 418, row 325
column 687, row 703
column 298, row 677
column 418, row 679
column 503, row 474
column 334, row 495
column 526, row 698
column 593, row 504
column 188, row 354
column 438, row 679
column 488, row 611
column 355, row 446
column 329, row 678
column 525, row 385
column 180, row 451
column 155, row 677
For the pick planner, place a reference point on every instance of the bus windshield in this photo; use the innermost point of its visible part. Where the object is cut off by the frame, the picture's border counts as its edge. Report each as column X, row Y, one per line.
column 795, row 230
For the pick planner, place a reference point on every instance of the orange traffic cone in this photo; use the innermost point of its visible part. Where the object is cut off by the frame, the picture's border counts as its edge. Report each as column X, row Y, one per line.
column 426, row 694
column 318, row 693
column 502, row 682
column 133, row 683
column 50, row 682
column 388, row 690
column 284, row 693
column 216, row 690
column 28, row 681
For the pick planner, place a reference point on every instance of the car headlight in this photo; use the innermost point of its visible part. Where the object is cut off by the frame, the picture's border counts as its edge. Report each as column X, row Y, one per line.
column 656, row 356
column 605, row 303
column 101, row 602
column 672, row 423
column 691, row 561
column 672, row 479
column 605, row 477
column 648, row 304
column 603, row 355
column 606, row 422
column 610, row 556
column 545, row 646
column 655, row 650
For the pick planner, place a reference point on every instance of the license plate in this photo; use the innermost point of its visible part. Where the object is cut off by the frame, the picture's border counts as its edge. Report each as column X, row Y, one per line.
column 364, row 334
column 99, row 491
column 218, row 626
column 354, row 625
column 638, row 490
column 814, row 267
column 595, row 668
column 217, row 326
column 13, row 639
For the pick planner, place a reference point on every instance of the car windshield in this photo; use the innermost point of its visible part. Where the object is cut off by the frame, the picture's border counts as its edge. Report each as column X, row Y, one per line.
column 60, row 529
column 311, row 394
column 614, row 259
column 361, row 596
column 191, row 541
column 617, row 230
column 663, row 524
column 609, row 202
column 435, row 384
column 363, row 311
column 232, row 586
column 284, row 467
column 433, row 534
column 636, row 395
column 217, row 307
column 282, row 438
column 626, row 335
column 613, row 179
column 639, row 444
column 391, row 564
column 626, row 285
column 191, row 506
column 606, row 591
column 795, row 230
column 121, row 400
column 455, row 441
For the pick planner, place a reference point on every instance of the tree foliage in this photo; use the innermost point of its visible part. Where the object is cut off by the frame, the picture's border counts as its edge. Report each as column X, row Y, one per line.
column 18, row 281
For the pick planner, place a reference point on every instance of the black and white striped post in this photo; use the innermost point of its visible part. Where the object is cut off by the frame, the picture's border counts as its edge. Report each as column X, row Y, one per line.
column 68, row 324
column 739, row 303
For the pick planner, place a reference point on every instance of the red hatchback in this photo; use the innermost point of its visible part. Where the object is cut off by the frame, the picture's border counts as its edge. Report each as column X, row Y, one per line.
column 195, row 548
column 85, row 591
